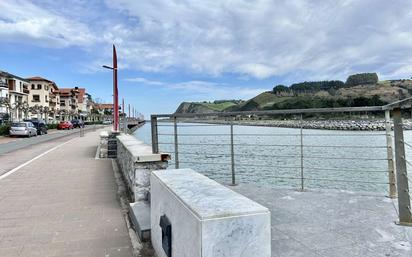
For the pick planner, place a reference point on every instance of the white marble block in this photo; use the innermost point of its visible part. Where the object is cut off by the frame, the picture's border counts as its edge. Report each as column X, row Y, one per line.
column 207, row 219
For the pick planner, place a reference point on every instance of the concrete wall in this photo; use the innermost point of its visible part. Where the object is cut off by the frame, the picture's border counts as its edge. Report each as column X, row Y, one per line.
column 207, row 219
column 136, row 162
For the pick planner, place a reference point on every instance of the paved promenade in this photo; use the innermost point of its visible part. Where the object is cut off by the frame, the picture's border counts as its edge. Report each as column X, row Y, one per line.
column 61, row 204
column 331, row 223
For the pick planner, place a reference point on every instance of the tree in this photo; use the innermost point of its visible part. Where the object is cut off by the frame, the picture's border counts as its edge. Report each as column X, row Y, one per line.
column 280, row 89
column 362, row 79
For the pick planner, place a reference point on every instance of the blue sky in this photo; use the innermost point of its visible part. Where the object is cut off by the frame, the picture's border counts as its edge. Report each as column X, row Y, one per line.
column 179, row 50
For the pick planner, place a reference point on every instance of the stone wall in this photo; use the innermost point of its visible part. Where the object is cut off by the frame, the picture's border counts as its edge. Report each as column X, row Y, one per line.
column 136, row 162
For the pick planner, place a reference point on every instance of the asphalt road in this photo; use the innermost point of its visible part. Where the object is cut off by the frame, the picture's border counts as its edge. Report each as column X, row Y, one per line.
column 26, row 142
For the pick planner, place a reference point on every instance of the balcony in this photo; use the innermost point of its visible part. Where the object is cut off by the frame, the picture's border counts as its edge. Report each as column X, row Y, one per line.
column 26, row 91
column 3, row 84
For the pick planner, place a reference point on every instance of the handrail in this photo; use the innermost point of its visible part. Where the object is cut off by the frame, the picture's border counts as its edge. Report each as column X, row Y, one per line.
column 311, row 150
column 271, row 112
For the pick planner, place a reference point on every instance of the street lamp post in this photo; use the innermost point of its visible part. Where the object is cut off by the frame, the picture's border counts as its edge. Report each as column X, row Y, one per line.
column 115, row 92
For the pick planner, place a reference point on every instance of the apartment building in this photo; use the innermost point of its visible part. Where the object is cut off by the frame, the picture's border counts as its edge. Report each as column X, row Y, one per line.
column 84, row 103
column 44, row 99
column 17, row 92
column 4, row 96
column 69, row 103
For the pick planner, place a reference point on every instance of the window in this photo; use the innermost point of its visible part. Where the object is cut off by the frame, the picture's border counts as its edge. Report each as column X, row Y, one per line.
column 36, row 98
column 45, row 97
column 46, row 87
column 62, row 103
column 33, row 86
column 38, row 86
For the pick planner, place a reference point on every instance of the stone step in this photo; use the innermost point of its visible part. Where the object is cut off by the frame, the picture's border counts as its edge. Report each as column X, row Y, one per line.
column 140, row 216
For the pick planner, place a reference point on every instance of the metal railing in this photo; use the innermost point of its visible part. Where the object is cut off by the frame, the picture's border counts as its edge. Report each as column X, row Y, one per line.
column 307, row 158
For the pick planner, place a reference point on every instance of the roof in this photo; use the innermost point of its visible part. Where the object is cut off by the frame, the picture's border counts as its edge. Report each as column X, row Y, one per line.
column 9, row 75
column 104, row 106
column 66, row 91
column 80, row 96
column 37, row 78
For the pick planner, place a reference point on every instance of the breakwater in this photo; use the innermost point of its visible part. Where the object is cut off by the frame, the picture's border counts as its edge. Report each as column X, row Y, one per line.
column 355, row 125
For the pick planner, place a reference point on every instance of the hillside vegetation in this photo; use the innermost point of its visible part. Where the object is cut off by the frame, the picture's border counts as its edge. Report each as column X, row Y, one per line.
column 363, row 89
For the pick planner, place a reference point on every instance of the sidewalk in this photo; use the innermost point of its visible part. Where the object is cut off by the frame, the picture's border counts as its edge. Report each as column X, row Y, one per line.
column 63, row 204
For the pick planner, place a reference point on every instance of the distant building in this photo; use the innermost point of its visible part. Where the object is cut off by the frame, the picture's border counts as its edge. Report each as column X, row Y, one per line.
column 69, row 103
column 84, row 104
column 104, row 109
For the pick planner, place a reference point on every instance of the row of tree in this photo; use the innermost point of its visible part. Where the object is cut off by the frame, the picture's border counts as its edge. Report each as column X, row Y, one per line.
column 315, row 86
column 304, row 102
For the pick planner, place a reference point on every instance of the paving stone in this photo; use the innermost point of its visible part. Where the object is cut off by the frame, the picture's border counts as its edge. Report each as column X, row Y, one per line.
column 62, row 204
column 331, row 223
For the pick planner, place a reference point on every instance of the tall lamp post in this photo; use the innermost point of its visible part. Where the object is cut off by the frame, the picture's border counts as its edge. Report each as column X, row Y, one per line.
column 115, row 92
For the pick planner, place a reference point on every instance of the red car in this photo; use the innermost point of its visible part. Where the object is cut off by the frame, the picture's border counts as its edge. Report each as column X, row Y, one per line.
column 65, row 125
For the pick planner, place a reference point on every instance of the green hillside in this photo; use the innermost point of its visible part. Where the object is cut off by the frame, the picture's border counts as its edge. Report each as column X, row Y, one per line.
column 363, row 89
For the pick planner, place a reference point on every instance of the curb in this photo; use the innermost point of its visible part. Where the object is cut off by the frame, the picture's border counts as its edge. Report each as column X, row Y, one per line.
column 140, row 249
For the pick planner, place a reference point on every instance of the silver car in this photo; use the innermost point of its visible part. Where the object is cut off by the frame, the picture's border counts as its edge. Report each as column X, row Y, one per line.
column 23, row 129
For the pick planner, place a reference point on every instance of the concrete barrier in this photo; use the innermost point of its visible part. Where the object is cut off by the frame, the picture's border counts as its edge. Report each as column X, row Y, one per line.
column 104, row 138
column 193, row 216
column 136, row 162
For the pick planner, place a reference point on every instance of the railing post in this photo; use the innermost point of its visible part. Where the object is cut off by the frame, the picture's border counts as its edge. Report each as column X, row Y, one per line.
column 176, row 143
column 302, row 186
column 391, row 165
column 155, row 136
column 124, row 123
column 232, row 155
column 404, row 202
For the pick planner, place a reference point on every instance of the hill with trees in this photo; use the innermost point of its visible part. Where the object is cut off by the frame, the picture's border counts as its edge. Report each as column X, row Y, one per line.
column 362, row 89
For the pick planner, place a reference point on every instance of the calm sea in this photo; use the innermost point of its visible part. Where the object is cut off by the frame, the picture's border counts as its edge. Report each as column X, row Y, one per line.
column 347, row 160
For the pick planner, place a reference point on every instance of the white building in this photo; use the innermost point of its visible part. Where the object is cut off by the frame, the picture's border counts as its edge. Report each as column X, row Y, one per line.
column 84, row 104
column 4, row 95
column 18, row 91
column 69, row 103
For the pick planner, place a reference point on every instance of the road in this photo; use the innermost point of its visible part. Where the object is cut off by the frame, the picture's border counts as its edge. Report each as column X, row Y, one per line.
column 26, row 142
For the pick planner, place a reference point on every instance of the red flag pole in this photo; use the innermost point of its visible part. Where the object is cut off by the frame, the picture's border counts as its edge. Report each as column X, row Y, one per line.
column 115, row 93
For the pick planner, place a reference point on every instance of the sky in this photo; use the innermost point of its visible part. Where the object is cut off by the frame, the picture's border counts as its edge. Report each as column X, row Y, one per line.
column 170, row 51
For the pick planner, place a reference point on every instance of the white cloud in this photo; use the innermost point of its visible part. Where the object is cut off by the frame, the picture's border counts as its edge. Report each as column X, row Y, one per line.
column 203, row 90
column 24, row 22
column 295, row 39
column 265, row 38
column 145, row 81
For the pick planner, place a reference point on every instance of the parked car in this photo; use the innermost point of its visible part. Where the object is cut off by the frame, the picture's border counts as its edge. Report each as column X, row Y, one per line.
column 65, row 125
column 40, row 125
column 78, row 123
column 106, row 122
column 24, row 128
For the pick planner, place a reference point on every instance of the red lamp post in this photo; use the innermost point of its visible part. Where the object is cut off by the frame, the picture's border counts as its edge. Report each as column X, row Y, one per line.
column 115, row 92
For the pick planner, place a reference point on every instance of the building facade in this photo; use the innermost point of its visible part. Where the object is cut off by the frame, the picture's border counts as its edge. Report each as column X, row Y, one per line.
column 44, row 100
column 18, row 91
column 84, row 104
column 69, row 103
column 4, row 96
